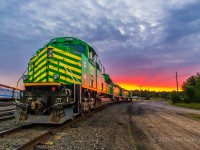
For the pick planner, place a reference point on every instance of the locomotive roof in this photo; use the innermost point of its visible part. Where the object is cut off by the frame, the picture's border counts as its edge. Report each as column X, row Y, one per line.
column 67, row 39
column 70, row 40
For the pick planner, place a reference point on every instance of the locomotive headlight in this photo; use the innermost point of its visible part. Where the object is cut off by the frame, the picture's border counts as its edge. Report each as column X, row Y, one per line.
column 56, row 77
column 25, row 77
column 50, row 50
column 50, row 53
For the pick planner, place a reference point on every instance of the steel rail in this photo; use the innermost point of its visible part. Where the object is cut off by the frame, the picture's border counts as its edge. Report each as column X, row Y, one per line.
column 14, row 130
column 67, row 124
column 6, row 114
column 10, row 109
column 7, row 117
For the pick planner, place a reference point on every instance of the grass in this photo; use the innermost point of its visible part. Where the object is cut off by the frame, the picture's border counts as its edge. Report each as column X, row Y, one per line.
column 188, row 105
column 194, row 116
column 169, row 102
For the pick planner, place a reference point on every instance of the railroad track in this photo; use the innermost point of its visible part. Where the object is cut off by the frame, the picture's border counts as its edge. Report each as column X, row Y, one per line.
column 29, row 129
column 7, row 113
column 17, row 137
column 17, row 129
column 3, row 104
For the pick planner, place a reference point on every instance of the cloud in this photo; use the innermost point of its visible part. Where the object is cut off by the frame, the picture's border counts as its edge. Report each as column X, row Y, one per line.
column 131, row 37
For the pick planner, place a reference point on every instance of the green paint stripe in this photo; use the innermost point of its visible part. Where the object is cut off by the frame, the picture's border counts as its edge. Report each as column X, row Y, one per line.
column 67, row 57
column 66, row 82
column 50, row 77
column 44, row 53
column 40, row 74
column 61, row 67
column 62, row 74
column 64, row 48
column 38, row 69
column 43, row 79
column 68, row 76
column 34, row 67
column 62, row 81
column 67, row 63
column 52, row 71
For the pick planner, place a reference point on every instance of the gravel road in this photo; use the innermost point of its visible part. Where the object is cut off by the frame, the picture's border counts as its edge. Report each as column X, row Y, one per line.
column 129, row 126
column 157, row 125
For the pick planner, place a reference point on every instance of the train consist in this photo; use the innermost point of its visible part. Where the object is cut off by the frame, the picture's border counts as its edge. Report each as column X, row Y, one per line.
column 65, row 78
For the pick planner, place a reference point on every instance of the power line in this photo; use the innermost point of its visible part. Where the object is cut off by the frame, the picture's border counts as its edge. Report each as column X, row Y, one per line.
column 164, row 79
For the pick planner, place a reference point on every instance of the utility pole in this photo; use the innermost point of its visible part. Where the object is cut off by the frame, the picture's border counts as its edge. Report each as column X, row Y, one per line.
column 140, row 92
column 177, row 81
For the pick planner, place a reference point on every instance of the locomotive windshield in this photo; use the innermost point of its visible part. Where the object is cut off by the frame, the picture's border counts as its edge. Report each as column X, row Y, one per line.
column 77, row 48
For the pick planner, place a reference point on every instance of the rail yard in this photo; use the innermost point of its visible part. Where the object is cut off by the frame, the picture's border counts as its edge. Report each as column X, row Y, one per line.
column 137, row 125
column 70, row 102
column 100, row 75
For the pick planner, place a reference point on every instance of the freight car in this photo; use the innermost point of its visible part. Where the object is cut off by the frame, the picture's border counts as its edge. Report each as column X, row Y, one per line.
column 63, row 79
column 8, row 93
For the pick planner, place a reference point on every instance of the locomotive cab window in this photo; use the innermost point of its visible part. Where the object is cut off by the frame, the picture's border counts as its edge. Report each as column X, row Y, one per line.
column 92, row 55
column 69, row 46
column 98, row 64
column 79, row 49
column 103, row 70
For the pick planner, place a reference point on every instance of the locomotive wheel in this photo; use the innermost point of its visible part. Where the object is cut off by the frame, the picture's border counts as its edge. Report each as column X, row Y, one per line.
column 82, row 111
column 89, row 108
column 73, row 118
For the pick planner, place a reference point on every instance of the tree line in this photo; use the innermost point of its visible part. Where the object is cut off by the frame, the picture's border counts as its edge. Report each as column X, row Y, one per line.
column 190, row 93
column 191, row 89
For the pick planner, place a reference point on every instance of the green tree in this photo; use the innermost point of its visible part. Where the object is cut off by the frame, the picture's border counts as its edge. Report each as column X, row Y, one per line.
column 175, row 97
column 191, row 88
column 189, row 94
column 197, row 90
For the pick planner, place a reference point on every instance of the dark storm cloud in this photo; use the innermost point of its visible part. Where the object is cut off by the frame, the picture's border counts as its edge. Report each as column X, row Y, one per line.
column 183, row 22
column 153, row 35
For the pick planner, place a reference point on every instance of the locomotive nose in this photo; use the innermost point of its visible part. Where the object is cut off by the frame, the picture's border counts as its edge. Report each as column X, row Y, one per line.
column 38, row 103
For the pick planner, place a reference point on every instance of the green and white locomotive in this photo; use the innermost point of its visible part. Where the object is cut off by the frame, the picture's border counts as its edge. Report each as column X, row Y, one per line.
column 63, row 79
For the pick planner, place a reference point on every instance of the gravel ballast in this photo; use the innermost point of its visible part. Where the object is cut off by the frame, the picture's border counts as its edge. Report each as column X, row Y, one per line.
column 108, row 129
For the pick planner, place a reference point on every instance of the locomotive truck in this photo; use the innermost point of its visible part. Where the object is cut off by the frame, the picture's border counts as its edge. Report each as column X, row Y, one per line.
column 63, row 79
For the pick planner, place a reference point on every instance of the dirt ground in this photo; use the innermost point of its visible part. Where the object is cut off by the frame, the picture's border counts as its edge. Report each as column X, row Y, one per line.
column 157, row 125
column 132, row 126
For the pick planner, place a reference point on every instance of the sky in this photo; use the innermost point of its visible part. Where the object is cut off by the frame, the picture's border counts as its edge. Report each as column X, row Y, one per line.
column 140, row 43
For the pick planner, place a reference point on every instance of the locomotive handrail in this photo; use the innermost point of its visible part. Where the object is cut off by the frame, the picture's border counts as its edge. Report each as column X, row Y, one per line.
column 70, row 73
column 21, row 76
column 19, row 80
column 74, row 76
